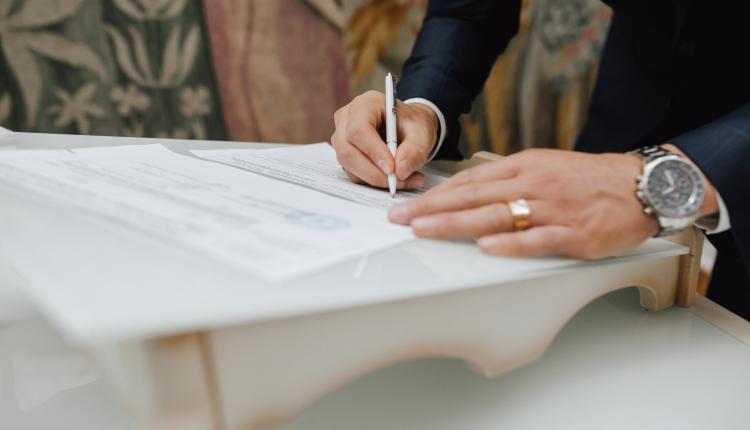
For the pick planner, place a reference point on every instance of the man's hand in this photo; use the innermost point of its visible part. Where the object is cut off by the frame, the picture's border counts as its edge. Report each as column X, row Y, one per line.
column 582, row 205
column 362, row 152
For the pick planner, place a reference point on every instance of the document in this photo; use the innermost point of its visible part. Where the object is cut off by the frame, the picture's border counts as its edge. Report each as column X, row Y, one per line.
column 275, row 229
column 312, row 166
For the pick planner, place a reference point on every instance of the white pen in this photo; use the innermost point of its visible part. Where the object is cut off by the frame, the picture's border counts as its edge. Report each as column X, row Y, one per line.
column 390, row 127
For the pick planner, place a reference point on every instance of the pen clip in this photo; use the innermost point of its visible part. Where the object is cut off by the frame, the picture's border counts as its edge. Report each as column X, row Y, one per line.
column 393, row 82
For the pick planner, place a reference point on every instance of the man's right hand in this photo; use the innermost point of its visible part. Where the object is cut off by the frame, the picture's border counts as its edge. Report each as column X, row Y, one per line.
column 364, row 155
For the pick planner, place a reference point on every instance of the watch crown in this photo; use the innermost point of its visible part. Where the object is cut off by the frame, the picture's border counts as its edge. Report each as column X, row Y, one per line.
column 648, row 210
column 640, row 195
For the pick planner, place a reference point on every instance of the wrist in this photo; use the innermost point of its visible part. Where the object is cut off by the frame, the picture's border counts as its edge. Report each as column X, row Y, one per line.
column 710, row 204
column 631, row 167
column 430, row 119
column 440, row 129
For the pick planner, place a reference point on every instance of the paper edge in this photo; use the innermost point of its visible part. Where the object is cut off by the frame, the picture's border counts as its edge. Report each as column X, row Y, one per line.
column 4, row 132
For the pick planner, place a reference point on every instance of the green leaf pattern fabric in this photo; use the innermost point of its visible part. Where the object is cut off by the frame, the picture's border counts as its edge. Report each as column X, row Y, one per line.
column 107, row 67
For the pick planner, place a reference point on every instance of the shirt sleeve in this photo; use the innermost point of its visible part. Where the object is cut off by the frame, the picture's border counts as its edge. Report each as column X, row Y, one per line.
column 718, row 223
column 454, row 52
column 441, row 120
column 721, row 150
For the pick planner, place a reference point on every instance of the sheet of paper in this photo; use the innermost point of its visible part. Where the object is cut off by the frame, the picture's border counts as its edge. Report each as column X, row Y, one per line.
column 4, row 132
column 313, row 166
column 275, row 229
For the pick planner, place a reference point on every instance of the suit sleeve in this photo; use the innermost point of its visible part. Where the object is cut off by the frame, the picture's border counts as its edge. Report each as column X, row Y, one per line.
column 721, row 149
column 453, row 55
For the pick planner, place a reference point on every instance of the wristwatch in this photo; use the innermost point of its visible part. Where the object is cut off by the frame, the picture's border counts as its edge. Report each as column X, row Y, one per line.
column 670, row 188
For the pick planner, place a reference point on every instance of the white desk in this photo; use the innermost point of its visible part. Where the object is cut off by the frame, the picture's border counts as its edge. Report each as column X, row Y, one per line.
column 614, row 366
column 270, row 355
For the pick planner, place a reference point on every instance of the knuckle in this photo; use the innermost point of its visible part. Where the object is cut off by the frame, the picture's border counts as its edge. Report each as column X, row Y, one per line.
column 371, row 95
column 468, row 176
column 532, row 155
column 355, row 130
column 543, row 182
column 338, row 115
column 420, row 207
column 414, row 157
column 341, row 120
column 337, row 142
column 462, row 177
column 344, row 157
column 498, row 217
column 555, row 241
column 472, row 194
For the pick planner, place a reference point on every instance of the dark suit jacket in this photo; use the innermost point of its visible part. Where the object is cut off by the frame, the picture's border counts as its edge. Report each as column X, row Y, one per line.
column 672, row 71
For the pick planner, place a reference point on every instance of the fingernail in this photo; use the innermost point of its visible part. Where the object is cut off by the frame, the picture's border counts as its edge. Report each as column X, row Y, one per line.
column 399, row 213
column 385, row 167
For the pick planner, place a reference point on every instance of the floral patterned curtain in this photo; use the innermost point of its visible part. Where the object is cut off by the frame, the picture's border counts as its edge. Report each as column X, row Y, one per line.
column 116, row 67
column 273, row 69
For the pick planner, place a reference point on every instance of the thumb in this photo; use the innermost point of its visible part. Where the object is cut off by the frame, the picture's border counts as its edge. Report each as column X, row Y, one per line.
column 411, row 156
column 418, row 129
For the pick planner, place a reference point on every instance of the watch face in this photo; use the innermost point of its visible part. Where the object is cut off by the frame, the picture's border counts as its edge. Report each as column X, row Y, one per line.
column 675, row 188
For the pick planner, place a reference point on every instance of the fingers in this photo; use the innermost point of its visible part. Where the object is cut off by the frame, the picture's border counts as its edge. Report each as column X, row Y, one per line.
column 417, row 130
column 465, row 197
column 411, row 155
column 357, row 126
column 401, row 185
column 477, row 222
column 364, row 118
column 415, row 181
column 467, row 224
column 356, row 164
column 493, row 171
column 535, row 242
column 354, row 178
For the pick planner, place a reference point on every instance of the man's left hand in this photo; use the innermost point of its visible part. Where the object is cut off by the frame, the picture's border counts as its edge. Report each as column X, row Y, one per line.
column 582, row 205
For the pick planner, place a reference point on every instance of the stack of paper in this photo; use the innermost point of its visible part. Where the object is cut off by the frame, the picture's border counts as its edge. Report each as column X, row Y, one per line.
column 313, row 166
column 273, row 228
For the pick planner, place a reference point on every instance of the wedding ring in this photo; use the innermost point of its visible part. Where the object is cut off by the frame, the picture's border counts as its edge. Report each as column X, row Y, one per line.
column 521, row 213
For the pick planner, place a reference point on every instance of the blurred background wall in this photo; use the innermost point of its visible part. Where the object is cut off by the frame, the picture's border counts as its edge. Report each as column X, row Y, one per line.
column 273, row 70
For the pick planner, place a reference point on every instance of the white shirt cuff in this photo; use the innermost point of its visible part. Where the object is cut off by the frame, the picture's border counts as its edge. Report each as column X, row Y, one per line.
column 441, row 119
column 717, row 223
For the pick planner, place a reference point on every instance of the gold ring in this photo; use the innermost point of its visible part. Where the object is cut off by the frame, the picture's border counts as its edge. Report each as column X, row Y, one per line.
column 521, row 213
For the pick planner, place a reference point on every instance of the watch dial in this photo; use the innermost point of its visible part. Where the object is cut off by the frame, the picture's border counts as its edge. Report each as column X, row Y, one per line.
column 675, row 188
